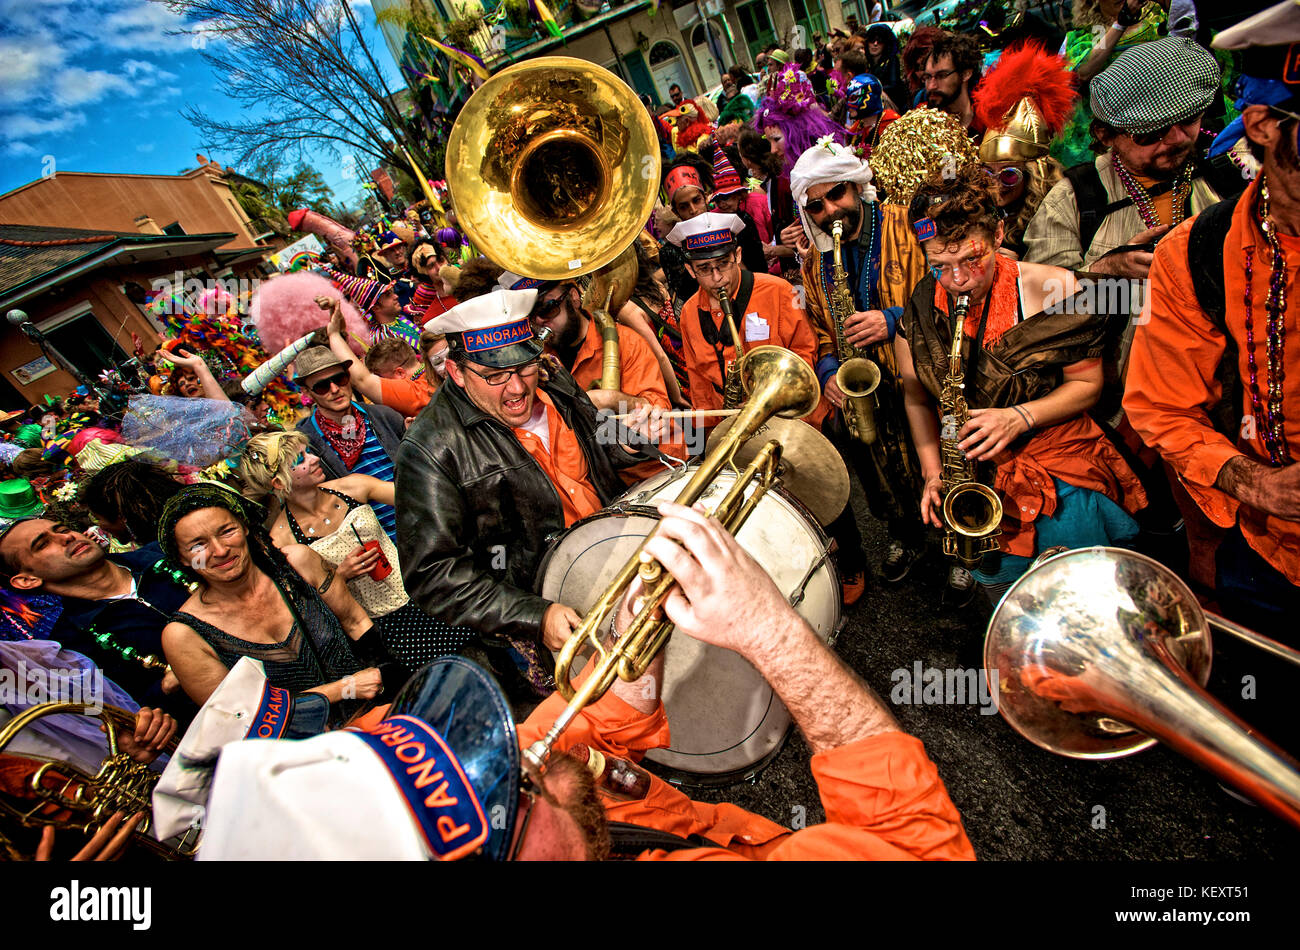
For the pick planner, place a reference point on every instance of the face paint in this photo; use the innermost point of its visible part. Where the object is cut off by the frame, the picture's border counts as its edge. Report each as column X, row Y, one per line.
column 936, row 270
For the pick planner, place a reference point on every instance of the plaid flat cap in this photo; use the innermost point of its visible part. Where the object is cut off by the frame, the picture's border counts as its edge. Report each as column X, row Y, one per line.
column 1156, row 84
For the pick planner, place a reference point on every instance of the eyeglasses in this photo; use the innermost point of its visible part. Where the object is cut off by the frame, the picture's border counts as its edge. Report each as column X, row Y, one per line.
column 1007, row 177
column 939, row 76
column 815, row 205
column 322, row 386
column 500, row 378
column 721, row 269
column 1158, row 136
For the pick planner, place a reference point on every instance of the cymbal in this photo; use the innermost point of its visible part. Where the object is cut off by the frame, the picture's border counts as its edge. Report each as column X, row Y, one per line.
column 811, row 470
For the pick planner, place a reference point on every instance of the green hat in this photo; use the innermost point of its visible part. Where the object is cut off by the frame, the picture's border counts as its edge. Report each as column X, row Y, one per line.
column 18, row 499
column 29, row 435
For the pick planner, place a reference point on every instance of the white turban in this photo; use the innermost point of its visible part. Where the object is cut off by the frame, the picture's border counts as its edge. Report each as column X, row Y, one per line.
column 822, row 164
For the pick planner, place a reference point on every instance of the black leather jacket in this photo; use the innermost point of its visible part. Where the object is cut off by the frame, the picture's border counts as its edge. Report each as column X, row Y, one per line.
column 476, row 513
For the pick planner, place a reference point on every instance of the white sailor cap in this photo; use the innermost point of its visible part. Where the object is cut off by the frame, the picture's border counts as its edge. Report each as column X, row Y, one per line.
column 510, row 281
column 707, row 235
column 492, row 329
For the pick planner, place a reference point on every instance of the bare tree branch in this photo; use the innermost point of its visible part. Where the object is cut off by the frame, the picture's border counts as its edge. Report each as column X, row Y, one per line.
column 302, row 78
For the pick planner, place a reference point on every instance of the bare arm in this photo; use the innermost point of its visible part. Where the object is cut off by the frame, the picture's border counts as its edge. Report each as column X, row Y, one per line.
column 923, row 420
column 363, row 381
column 725, row 598
column 364, row 488
column 194, row 662
column 333, row 590
column 211, row 388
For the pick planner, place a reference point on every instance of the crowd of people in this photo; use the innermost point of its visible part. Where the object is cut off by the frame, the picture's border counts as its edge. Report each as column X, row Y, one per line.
column 387, row 504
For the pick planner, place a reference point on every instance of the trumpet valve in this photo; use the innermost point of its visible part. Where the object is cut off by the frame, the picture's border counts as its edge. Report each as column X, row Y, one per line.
column 650, row 572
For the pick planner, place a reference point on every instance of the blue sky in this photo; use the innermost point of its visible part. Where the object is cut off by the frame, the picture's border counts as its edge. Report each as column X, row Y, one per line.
column 98, row 86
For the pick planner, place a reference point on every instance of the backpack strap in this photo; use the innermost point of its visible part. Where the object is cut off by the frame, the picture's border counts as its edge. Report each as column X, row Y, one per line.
column 1092, row 201
column 1205, row 264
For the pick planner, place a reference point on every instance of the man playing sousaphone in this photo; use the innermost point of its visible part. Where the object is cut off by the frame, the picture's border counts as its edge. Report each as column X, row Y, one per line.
column 831, row 184
column 1030, row 369
column 505, row 456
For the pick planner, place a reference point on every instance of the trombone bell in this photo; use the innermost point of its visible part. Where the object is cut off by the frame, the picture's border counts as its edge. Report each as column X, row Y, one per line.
column 1102, row 652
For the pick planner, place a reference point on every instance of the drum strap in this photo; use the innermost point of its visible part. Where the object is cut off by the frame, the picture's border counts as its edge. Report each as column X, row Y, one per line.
column 627, row 841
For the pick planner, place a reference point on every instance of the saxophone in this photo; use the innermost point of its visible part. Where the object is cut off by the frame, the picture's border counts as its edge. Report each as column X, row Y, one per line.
column 733, row 392
column 972, row 512
column 857, row 376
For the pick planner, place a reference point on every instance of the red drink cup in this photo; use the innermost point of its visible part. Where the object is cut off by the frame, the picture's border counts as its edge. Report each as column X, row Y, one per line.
column 382, row 568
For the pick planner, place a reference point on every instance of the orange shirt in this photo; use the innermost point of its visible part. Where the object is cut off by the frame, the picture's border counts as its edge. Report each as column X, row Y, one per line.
column 883, row 796
column 774, row 315
column 407, row 396
column 563, row 463
column 1171, row 377
column 641, row 375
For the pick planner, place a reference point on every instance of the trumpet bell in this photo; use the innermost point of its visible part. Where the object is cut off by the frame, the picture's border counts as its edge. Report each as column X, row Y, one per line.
column 553, row 165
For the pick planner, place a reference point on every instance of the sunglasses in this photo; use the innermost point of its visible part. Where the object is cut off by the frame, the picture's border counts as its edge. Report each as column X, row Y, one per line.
column 322, row 386
column 815, row 205
column 545, row 308
column 1008, row 177
column 1157, row 136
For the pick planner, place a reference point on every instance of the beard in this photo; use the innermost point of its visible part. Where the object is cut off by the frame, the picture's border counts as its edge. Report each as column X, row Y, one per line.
column 937, row 100
column 851, row 218
column 582, row 804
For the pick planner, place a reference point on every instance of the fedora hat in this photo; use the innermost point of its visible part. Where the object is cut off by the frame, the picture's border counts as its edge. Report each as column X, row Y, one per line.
column 313, row 360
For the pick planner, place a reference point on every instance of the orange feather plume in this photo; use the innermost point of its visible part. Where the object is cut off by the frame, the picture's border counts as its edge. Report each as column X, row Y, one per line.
column 1026, row 70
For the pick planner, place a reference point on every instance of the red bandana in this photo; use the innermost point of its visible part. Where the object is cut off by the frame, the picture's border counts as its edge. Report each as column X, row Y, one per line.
column 349, row 449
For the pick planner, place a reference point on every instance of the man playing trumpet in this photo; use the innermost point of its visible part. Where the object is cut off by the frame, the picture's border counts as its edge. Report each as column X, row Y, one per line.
column 334, row 796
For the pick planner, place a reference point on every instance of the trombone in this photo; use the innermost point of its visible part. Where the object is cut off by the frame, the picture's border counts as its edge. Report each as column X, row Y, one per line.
column 778, row 383
column 1102, row 652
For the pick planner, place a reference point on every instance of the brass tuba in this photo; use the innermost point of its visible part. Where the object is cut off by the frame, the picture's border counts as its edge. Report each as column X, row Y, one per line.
column 778, row 383
column 62, row 795
column 553, row 165
column 972, row 511
column 1101, row 652
column 857, row 376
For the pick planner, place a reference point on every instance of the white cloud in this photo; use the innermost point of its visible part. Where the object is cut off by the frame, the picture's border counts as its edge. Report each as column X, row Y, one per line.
column 76, row 86
column 18, row 149
column 146, row 147
column 15, row 127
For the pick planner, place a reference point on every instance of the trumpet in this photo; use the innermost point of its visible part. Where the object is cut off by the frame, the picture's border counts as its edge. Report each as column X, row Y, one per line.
column 778, row 383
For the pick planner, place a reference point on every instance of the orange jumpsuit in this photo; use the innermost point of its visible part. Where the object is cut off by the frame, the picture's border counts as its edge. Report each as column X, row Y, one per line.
column 774, row 315
column 1171, row 378
column 883, row 796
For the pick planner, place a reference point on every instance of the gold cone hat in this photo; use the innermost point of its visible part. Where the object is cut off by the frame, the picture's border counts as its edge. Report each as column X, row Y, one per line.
column 1024, row 136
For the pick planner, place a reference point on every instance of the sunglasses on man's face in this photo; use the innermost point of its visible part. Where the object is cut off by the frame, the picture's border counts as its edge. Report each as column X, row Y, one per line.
column 1157, row 136
column 322, row 386
column 815, row 205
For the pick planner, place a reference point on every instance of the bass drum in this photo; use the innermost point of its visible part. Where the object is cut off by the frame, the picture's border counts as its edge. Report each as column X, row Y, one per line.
column 725, row 720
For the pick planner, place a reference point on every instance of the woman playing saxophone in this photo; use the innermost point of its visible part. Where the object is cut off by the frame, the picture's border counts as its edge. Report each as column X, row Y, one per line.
column 1030, row 370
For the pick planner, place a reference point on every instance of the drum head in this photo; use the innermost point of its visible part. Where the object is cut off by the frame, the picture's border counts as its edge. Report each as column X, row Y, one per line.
column 725, row 720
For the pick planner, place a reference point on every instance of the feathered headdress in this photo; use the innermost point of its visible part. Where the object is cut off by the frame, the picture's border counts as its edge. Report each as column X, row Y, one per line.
column 1023, row 101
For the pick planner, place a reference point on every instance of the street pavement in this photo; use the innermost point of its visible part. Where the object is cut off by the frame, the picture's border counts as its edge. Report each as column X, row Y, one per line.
column 1018, row 802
